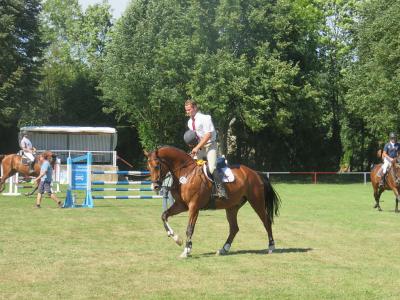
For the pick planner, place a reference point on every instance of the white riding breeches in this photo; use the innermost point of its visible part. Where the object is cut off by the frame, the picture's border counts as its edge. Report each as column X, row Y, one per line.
column 29, row 156
column 210, row 153
column 386, row 165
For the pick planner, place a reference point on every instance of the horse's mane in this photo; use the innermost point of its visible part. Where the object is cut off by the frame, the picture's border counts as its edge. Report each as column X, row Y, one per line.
column 173, row 147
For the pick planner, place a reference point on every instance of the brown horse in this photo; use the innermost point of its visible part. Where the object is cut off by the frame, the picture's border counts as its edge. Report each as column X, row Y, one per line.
column 392, row 182
column 192, row 192
column 13, row 163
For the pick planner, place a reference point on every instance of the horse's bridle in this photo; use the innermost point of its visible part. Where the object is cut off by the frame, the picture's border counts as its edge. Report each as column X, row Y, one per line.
column 159, row 166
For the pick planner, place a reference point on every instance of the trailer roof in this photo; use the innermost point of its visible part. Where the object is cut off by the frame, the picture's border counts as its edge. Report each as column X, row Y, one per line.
column 69, row 129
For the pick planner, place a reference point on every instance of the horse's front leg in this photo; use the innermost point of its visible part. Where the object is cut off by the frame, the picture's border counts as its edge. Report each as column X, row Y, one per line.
column 175, row 209
column 193, row 214
column 377, row 195
column 396, row 192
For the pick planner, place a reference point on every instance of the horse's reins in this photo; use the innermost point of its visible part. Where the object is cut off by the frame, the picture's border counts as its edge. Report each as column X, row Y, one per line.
column 172, row 171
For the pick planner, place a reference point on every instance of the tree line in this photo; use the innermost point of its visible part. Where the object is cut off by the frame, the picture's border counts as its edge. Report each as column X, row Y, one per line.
column 291, row 84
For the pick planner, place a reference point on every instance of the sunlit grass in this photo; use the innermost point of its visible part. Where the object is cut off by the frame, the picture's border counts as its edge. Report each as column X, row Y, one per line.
column 330, row 244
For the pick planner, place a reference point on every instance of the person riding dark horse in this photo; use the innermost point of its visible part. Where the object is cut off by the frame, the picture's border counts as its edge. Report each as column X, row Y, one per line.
column 389, row 154
column 392, row 182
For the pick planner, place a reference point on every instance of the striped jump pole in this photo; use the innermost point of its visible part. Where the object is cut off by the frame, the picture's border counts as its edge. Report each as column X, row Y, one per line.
column 143, row 182
column 137, row 173
column 122, row 189
column 128, row 197
column 139, row 183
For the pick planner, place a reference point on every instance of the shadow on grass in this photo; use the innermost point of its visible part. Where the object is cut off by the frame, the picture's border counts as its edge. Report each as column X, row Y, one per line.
column 263, row 251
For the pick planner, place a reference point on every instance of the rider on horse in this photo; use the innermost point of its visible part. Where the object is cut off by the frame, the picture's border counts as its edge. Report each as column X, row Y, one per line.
column 390, row 152
column 28, row 150
column 206, row 146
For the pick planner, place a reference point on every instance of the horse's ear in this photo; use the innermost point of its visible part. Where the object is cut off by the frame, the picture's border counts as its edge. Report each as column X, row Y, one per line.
column 146, row 153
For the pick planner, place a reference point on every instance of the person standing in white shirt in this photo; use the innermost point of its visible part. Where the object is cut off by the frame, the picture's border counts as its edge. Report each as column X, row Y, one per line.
column 206, row 147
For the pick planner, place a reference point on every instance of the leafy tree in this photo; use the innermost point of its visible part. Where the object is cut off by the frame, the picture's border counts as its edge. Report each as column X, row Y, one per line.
column 244, row 61
column 20, row 56
column 147, row 68
column 335, row 52
column 76, row 42
column 372, row 100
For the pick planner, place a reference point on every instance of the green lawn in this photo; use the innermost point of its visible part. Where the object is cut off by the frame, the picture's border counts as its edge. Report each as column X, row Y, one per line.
column 330, row 244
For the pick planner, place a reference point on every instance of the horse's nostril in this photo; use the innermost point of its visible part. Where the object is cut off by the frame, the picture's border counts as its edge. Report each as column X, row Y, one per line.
column 155, row 187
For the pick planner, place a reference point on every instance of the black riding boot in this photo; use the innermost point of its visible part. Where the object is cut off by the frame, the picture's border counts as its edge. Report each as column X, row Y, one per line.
column 382, row 180
column 31, row 167
column 221, row 192
column 381, row 177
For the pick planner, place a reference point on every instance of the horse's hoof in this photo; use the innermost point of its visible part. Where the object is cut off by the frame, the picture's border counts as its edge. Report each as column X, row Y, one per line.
column 184, row 254
column 177, row 240
column 221, row 252
column 224, row 250
column 271, row 249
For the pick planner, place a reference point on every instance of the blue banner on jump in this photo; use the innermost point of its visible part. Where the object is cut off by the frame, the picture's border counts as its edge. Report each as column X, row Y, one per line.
column 79, row 176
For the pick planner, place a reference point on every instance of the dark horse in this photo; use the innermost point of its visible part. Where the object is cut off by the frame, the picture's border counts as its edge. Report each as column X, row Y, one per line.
column 392, row 182
column 12, row 164
column 192, row 191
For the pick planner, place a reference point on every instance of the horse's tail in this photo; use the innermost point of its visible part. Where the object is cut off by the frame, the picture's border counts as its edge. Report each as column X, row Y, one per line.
column 1, row 157
column 272, row 199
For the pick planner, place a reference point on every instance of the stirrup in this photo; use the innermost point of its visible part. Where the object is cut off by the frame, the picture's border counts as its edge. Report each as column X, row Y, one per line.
column 221, row 193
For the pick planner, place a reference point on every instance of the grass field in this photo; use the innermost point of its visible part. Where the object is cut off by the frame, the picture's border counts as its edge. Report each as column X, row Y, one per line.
column 330, row 243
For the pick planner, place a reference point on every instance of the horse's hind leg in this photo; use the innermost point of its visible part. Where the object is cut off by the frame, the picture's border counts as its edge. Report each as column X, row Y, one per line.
column 231, row 215
column 261, row 211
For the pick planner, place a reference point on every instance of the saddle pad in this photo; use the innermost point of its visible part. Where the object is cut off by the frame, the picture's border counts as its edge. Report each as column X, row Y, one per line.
column 227, row 172
column 25, row 161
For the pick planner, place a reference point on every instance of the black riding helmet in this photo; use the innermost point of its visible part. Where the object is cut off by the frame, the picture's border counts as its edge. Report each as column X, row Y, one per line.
column 393, row 136
column 190, row 138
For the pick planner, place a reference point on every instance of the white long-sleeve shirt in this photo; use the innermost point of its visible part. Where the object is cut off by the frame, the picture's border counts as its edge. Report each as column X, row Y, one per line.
column 203, row 124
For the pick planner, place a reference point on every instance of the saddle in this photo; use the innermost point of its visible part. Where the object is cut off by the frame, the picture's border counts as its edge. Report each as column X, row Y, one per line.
column 222, row 168
column 227, row 176
column 25, row 160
